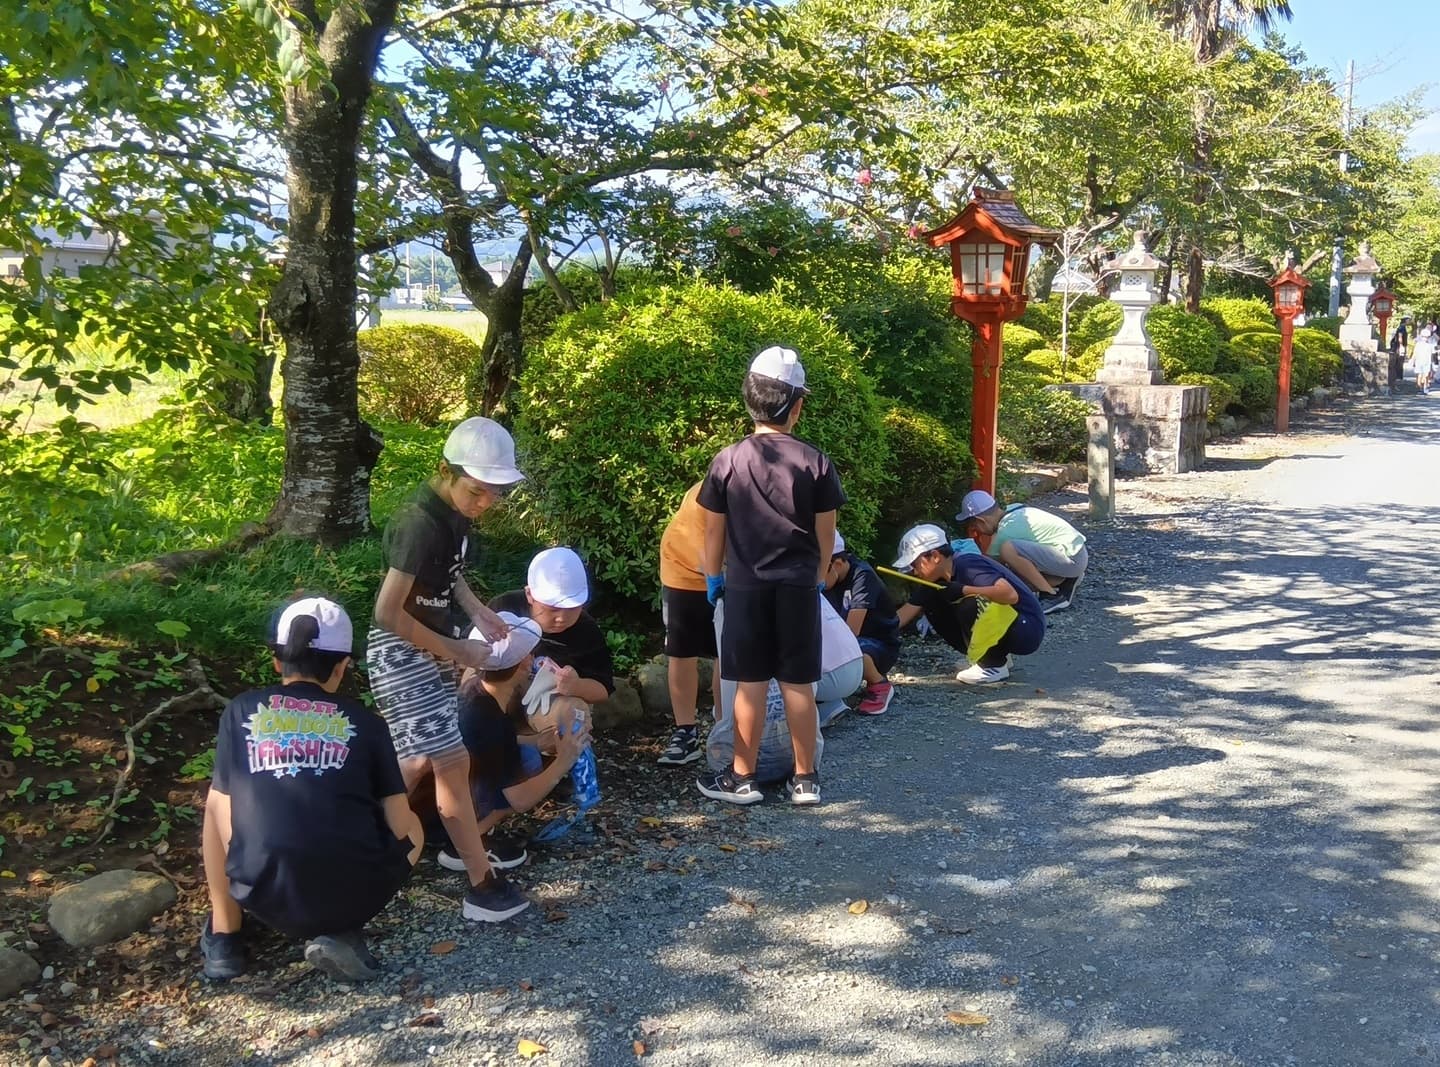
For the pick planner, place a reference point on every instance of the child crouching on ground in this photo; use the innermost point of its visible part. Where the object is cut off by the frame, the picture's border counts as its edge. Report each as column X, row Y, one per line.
column 306, row 823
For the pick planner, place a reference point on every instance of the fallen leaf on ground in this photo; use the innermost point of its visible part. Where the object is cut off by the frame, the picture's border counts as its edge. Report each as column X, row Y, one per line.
column 92, row 684
column 90, row 1061
column 428, row 1002
column 859, row 907
column 530, row 1049
column 669, row 842
column 527, row 985
column 1009, row 979
column 443, row 948
column 966, row 1018
column 639, row 1047
column 727, row 848
column 650, row 820
column 430, row 1018
column 107, row 1052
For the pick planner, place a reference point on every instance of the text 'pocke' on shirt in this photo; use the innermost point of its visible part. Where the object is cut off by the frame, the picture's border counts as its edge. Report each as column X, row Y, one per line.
column 770, row 487
column 428, row 538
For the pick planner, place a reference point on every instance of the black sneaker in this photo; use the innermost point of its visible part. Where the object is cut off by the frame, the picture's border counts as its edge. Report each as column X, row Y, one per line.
column 1069, row 587
column 493, row 900
column 727, row 787
column 684, row 747
column 1055, row 601
column 343, row 957
column 505, row 852
column 224, row 954
column 803, row 790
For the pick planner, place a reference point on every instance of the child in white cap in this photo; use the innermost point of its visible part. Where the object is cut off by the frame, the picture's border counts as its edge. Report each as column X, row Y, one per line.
column 306, row 824
column 770, row 501
column 416, row 650
column 555, row 595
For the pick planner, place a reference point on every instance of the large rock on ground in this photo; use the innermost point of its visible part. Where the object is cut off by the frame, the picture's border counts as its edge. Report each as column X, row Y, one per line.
column 17, row 970
column 653, row 679
column 108, row 906
column 621, row 711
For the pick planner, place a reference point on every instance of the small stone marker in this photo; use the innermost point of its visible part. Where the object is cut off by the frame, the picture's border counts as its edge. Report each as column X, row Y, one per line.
column 108, row 906
column 17, row 970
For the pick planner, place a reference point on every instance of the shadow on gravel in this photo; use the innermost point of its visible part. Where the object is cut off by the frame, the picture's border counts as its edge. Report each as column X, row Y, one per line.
column 1199, row 828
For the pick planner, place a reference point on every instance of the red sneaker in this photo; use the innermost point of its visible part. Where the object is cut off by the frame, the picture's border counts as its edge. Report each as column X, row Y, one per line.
column 876, row 699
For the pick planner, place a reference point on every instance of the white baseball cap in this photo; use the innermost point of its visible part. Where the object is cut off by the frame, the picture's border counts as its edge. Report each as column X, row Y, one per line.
column 484, row 450
column 839, row 544
column 557, row 579
column 335, row 631
column 976, row 502
column 505, row 653
column 917, row 541
column 782, row 364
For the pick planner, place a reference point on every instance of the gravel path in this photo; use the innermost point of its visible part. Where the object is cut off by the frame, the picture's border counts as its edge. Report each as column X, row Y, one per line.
column 1199, row 828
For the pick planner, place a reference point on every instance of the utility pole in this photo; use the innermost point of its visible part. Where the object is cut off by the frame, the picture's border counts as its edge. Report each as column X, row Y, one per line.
column 1337, row 258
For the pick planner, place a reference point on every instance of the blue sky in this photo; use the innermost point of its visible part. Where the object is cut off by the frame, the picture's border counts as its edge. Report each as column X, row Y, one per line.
column 1393, row 43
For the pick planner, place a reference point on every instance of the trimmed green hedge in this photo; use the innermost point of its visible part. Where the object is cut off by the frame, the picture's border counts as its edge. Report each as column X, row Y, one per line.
column 1239, row 314
column 1223, row 392
column 414, row 372
column 1185, row 343
column 623, row 407
column 931, row 468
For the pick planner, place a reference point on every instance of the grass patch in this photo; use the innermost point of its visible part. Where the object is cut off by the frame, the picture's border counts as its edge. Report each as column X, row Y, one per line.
column 470, row 323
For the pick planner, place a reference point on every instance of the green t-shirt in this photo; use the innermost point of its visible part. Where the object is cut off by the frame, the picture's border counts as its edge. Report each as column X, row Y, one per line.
column 1021, row 523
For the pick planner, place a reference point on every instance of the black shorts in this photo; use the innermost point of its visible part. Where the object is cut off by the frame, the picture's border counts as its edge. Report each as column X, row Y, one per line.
column 689, row 623
column 771, row 631
column 307, row 894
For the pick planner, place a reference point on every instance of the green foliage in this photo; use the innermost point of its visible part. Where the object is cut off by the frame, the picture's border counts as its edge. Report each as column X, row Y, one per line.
column 1039, row 422
column 542, row 307
column 1316, row 359
column 1045, row 316
column 1240, row 314
column 1330, row 324
column 1020, row 341
column 913, row 350
column 625, row 405
column 930, row 469
column 1256, row 348
column 1099, row 324
column 414, row 372
column 1087, row 364
column 1185, row 343
column 1257, row 388
column 1223, row 392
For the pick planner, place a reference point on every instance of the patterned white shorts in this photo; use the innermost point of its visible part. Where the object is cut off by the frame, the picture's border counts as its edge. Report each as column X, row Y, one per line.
column 416, row 693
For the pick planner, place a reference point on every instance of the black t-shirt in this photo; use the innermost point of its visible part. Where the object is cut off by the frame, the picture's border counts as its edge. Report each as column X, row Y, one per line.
column 953, row 616
column 770, row 487
column 426, row 537
column 582, row 646
column 305, row 771
column 490, row 736
column 863, row 589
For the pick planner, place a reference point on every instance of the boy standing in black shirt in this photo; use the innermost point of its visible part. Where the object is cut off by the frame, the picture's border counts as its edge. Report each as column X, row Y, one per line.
column 770, row 501
column 306, row 823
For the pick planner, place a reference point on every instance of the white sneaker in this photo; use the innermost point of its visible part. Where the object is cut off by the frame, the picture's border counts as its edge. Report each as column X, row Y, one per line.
column 978, row 675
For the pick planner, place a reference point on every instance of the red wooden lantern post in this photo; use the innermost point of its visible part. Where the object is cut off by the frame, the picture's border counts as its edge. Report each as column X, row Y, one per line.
column 990, row 242
column 1289, row 286
column 1382, row 303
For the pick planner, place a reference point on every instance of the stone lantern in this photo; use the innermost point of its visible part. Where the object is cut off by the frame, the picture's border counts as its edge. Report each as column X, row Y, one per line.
column 1131, row 358
column 1139, row 425
column 1363, row 364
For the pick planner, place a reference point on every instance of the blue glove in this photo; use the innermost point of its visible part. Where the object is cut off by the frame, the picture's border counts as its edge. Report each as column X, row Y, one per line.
column 714, row 587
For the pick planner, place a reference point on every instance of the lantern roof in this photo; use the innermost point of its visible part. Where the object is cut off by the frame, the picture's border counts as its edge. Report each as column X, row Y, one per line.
column 994, row 213
column 1364, row 263
column 1137, row 258
column 1290, row 276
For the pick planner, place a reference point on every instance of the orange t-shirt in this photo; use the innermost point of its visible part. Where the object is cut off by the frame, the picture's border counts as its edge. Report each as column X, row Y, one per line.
column 682, row 545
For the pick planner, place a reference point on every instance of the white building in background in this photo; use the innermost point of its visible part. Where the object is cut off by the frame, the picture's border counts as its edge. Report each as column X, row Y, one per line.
column 413, row 296
column 64, row 254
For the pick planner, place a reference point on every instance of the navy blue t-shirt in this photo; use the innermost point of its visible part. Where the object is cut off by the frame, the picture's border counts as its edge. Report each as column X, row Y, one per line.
column 972, row 569
column 861, row 589
column 306, row 772
column 770, row 487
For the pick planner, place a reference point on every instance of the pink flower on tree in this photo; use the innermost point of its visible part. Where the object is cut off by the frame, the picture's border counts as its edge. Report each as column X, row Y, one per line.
column 773, row 250
column 733, row 231
column 864, row 178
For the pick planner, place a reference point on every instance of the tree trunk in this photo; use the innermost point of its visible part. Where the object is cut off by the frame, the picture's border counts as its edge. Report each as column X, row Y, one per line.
column 502, row 354
column 248, row 399
column 329, row 450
